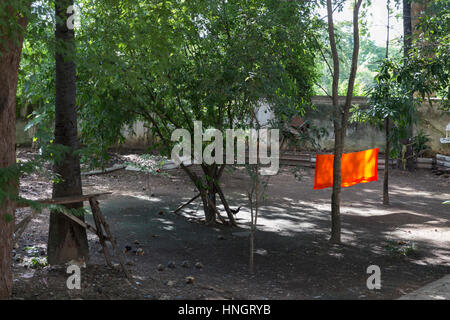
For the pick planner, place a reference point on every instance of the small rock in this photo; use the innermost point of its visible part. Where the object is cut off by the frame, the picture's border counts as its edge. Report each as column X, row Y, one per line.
column 140, row 252
column 160, row 267
column 137, row 242
column 262, row 252
column 161, row 213
column 170, row 283
column 190, row 280
column 220, row 237
column 171, row 265
column 28, row 275
column 199, row 265
column 130, row 263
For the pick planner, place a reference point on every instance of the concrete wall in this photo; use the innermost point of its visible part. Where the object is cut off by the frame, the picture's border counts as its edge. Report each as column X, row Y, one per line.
column 23, row 138
column 359, row 136
column 362, row 136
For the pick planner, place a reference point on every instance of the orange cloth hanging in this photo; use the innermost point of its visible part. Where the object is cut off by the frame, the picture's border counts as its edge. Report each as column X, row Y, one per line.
column 356, row 167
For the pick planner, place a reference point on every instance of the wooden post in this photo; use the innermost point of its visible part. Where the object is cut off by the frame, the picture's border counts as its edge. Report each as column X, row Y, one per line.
column 101, row 236
column 118, row 253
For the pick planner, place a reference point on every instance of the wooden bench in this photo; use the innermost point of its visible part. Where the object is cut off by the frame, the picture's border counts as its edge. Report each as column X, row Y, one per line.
column 101, row 228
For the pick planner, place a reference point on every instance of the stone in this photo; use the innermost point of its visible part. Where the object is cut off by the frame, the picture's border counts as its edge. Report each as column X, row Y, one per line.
column 190, row 280
column 170, row 283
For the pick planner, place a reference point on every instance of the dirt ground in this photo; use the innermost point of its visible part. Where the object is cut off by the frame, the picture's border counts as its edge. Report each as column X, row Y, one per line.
column 409, row 240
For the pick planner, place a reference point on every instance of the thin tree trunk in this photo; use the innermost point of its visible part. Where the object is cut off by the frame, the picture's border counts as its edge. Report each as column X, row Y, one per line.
column 335, row 196
column 210, row 214
column 10, row 52
column 341, row 115
column 387, row 121
column 67, row 240
column 407, row 27
column 252, row 241
column 407, row 44
column 386, row 163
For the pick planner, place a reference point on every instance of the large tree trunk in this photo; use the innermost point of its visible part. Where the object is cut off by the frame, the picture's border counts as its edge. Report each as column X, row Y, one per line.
column 341, row 115
column 67, row 240
column 9, row 66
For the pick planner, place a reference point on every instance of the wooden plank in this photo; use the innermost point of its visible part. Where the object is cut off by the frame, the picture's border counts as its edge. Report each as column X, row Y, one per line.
column 443, row 163
column 425, row 160
column 443, row 158
column 22, row 225
column 107, row 170
column 68, row 200
column 80, row 222
column 391, row 161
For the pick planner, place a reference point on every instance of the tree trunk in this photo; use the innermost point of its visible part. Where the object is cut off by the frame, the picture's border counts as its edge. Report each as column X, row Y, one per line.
column 407, row 44
column 211, row 214
column 208, row 193
column 407, row 27
column 9, row 65
column 387, row 121
column 67, row 240
column 386, row 163
column 335, row 196
column 341, row 115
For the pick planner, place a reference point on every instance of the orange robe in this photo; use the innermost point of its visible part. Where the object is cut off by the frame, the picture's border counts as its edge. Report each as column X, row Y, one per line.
column 356, row 167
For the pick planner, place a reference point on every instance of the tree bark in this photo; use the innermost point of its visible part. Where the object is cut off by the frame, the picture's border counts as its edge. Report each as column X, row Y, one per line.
column 67, row 240
column 407, row 45
column 9, row 66
column 386, row 163
column 341, row 115
column 387, row 121
column 337, row 114
column 407, row 27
